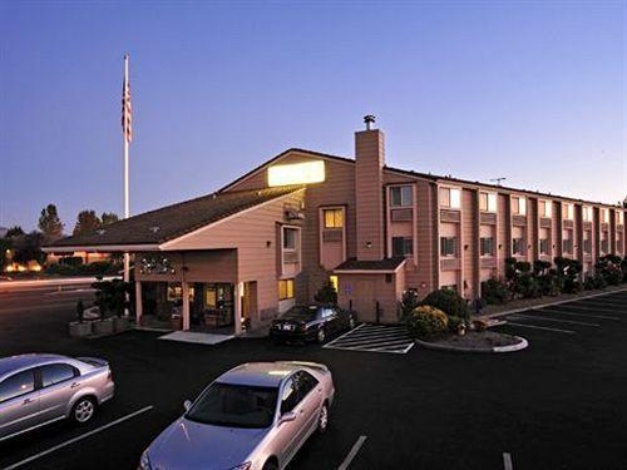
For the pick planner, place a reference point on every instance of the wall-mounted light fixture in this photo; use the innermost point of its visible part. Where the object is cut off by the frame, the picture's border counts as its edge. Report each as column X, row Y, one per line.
column 368, row 244
column 500, row 246
column 268, row 244
column 465, row 247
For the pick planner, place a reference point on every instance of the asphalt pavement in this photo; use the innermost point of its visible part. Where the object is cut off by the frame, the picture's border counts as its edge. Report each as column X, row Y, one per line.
column 560, row 404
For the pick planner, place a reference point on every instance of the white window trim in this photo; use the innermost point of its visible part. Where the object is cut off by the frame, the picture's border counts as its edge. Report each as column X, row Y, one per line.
column 298, row 247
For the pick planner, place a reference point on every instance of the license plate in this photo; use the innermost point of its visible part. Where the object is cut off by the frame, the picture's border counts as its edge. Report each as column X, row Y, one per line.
column 287, row 327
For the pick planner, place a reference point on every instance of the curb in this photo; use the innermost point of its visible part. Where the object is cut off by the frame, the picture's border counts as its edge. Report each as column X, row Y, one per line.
column 547, row 304
column 522, row 344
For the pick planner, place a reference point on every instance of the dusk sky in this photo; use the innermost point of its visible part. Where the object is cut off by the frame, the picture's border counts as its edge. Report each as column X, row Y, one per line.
column 534, row 91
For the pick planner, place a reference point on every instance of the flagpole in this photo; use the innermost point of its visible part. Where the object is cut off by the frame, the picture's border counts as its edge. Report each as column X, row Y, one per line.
column 127, row 260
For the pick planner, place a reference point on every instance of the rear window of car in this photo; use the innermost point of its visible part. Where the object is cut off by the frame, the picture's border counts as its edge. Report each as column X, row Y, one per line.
column 17, row 385
column 238, row 406
column 301, row 313
column 55, row 373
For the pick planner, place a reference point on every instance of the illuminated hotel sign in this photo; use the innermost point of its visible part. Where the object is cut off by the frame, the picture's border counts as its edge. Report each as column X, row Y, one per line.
column 296, row 173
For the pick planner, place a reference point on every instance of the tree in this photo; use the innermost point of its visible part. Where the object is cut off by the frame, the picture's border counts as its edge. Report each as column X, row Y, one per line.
column 15, row 231
column 50, row 224
column 28, row 248
column 87, row 221
column 5, row 248
column 108, row 218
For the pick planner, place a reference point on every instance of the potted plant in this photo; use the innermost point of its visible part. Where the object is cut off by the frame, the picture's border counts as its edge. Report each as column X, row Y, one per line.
column 80, row 327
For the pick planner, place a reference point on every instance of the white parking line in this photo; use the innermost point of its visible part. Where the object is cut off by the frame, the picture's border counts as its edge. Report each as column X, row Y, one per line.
column 538, row 317
column 568, row 332
column 560, row 312
column 345, row 334
column 79, row 438
column 507, row 461
column 351, row 455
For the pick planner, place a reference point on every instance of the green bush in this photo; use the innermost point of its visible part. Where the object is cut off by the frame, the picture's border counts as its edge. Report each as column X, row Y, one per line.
column 495, row 292
column 450, row 302
column 426, row 322
column 455, row 323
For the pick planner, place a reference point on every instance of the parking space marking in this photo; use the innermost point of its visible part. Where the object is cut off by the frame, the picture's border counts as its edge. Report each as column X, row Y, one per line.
column 374, row 338
column 507, row 461
column 603, row 304
column 556, row 320
column 78, row 438
column 351, row 455
column 587, row 309
column 557, row 330
column 600, row 317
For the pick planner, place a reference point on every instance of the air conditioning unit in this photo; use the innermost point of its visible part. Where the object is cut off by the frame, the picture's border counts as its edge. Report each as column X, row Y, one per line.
column 293, row 214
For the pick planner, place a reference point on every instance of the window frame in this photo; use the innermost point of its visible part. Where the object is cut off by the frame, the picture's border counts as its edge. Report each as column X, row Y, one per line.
column 485, row 242
column 454, row 203
column 289, row 288
column 42, row 371
column 33, row 372
column 491, row 202
column 445, row 245
column 335, row 212
column 402, row 200
column 520, row 206
column 408, row 246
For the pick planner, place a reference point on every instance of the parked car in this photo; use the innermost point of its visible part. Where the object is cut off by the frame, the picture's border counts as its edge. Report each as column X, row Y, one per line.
column 253, row 417
column 311, row 323
column 39, row 389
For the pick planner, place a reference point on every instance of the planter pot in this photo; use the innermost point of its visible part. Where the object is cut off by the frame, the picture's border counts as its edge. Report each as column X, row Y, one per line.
column 176, row 322
column 103, row 327
column 80, row 330
column 121, row 324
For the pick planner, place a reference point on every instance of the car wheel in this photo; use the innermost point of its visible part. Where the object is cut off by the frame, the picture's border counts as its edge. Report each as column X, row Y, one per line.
column 321, row 336
column 84, row 410
column 270, row 465
column 323, row 419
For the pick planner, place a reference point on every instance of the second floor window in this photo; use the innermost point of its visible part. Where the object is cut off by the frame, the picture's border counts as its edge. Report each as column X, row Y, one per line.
column 451, row 198
column 620, row 217
column 586, row 213
column 545, row 209
column 519, row 205
column 587, row 243
column 448, row 246
column 487, row 202
column 544, row 246
column 290, row 239
column 567, row 245
column 401, row 196
column 402, row 246
column 569, row 211
column 333, row 218
column 518, row 246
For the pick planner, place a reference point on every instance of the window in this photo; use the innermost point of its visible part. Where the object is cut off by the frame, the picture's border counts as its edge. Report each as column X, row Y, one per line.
column 290, row 397
column 587, row 242
column 519, row 205
column 401, row 196
column 17, row 385
column 587, row 213
column 604, row 243
column 286, row 289
column 620, row 217
column 402, row 246
column 567, row 241
column 518, row 246
column 569, row 211
column 451, row 198
column 290, row 238
column 544, row 246
column 448, row 246
column 333, row 218
column 56, row 373
column 305, row 383
column 545, row 209
column 486, row 246
column 619, row 243
column 605, row 215
column 487, row 202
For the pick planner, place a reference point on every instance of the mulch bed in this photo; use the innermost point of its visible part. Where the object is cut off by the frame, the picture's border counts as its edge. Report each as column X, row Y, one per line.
column 484, row 340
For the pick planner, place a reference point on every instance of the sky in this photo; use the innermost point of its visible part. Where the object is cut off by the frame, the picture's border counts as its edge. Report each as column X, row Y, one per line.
column 531, row 91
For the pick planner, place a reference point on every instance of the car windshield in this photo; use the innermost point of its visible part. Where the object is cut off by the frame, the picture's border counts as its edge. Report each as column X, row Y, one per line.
column 301, row 313
column 238, row 406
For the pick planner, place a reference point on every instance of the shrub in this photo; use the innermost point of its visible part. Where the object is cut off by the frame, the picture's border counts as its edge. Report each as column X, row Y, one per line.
column 455, row 323
column 62, row 269
column 449, row 301
column 426, row 322
column 495, row 291
column 409, row 302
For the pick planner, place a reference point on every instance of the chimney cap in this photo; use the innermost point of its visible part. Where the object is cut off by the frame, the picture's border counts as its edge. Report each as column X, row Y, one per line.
column 369, row 119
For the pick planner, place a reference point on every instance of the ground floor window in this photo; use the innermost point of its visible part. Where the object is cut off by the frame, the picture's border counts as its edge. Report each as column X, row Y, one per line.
column 544, row 246
column 448, row 246
column 487, row 246
column 286, row 289
column 518, row 246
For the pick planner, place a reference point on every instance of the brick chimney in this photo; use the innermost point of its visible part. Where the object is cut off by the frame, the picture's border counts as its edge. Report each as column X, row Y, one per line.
column 370, row 159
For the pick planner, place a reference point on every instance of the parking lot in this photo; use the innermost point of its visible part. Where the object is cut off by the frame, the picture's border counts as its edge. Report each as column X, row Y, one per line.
column 560, row 404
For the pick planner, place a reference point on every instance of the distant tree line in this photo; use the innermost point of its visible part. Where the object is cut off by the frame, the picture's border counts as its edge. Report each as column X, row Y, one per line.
column 20, row 247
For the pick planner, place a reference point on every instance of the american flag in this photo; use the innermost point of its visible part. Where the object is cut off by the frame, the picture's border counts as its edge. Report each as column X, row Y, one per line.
column 127, row 109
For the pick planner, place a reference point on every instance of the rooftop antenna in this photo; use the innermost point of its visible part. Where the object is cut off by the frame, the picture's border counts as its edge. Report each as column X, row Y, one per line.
column 369, row 119
column 498, row 180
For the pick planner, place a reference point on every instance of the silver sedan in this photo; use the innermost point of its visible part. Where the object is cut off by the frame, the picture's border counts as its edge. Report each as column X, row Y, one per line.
column 39, row 389
column 254, row 417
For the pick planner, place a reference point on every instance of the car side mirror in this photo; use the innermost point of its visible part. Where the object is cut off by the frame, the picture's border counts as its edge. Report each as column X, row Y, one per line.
column 187, row 404
column 287, row 417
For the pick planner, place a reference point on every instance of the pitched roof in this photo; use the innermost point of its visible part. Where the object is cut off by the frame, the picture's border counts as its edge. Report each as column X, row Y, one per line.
column 170, row 222
column 384, row 265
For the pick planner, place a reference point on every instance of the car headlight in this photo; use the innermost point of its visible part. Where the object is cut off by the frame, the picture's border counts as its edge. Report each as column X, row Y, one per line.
column 144, row 462
column 243, row 466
